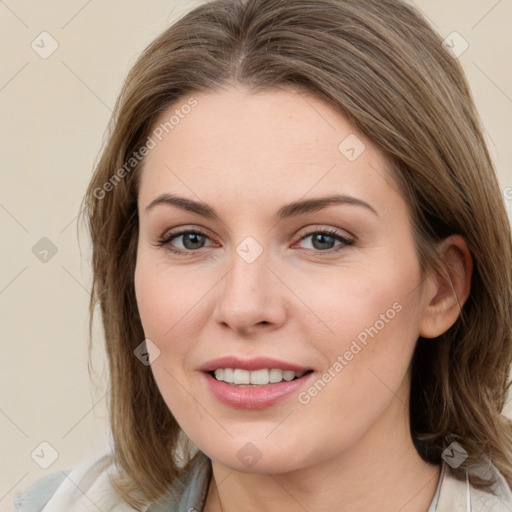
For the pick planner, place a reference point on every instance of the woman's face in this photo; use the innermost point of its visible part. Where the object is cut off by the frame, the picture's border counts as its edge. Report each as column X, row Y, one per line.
column 257, row 280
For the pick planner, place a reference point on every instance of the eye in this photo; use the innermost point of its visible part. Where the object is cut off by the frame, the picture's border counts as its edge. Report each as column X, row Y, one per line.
column 192, row 240
column 323, row 240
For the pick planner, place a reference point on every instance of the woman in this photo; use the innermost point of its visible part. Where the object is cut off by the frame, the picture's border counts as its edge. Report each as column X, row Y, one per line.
column 303, row 263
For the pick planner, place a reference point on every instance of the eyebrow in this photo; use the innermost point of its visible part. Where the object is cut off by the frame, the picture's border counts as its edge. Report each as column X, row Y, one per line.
column 289, row 210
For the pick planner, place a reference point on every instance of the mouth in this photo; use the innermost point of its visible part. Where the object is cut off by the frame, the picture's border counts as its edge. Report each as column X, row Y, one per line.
column 254, row 383
column 255, row 389
column 238, row 377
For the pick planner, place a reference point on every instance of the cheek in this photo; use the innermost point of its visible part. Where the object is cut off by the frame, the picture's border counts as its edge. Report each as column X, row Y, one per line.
column 374, row 319
column 165, row 303
column 368, row 326
column 359, row 302
column 168, row 302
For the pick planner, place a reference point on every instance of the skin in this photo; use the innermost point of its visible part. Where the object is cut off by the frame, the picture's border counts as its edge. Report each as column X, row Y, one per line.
column 246, row 155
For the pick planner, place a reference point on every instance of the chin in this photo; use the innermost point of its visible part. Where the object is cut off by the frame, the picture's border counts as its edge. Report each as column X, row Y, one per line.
column 246, row 456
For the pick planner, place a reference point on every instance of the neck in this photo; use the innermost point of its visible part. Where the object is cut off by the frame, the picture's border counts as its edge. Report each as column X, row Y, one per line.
column 382, row 472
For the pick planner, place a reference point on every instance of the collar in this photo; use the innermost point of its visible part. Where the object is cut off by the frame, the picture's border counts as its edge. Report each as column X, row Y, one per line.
column 460, row 496
column 452, row 495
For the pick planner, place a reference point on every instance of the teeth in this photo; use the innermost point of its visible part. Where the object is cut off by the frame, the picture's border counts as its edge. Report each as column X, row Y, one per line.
column 275, row 375
column 241, row 376
column 257, row 377
column 288, row 375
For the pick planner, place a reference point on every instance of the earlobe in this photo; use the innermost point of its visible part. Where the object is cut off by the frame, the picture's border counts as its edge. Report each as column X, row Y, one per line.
column 446, row 290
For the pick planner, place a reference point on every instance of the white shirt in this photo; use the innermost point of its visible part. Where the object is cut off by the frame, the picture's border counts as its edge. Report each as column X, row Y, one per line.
column 87, row 488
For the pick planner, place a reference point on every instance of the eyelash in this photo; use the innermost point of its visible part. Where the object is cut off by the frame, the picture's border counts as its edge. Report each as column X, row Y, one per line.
column 166, row 239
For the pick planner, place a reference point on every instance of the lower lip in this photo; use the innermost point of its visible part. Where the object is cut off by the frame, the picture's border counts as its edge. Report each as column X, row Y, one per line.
column 260, row 397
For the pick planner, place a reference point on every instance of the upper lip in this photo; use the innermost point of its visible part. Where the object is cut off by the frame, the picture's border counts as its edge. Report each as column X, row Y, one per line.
column 256, row 363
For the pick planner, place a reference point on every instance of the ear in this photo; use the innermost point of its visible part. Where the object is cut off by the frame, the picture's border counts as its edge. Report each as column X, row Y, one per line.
column 446, row 291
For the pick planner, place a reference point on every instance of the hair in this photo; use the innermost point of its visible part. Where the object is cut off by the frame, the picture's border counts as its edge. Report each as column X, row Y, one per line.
column 380, row 64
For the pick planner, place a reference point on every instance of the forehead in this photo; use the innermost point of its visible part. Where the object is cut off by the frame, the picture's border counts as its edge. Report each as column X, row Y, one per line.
column 276, row 142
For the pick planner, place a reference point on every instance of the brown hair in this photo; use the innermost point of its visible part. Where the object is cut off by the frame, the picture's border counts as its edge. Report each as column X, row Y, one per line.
column 381, row 64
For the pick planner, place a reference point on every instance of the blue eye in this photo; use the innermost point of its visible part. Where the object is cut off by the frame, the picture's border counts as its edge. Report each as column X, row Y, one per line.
column 194, row 240
column 327, row 237
column 191, row 239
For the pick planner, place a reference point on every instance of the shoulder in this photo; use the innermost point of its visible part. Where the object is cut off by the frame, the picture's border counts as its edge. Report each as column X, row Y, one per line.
column 498, row 499
column 83, row 487
column 87, row 487
column 34, row 497
column 457, row 495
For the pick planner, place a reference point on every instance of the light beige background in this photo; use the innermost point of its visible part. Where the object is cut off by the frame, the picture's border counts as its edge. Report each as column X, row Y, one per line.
column 54, row 112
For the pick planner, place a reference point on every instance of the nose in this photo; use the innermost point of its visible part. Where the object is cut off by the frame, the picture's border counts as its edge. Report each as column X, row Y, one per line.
column 250, row 297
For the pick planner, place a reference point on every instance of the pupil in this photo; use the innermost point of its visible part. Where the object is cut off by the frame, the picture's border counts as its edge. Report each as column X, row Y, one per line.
column 194, row 237
column 322, row 238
